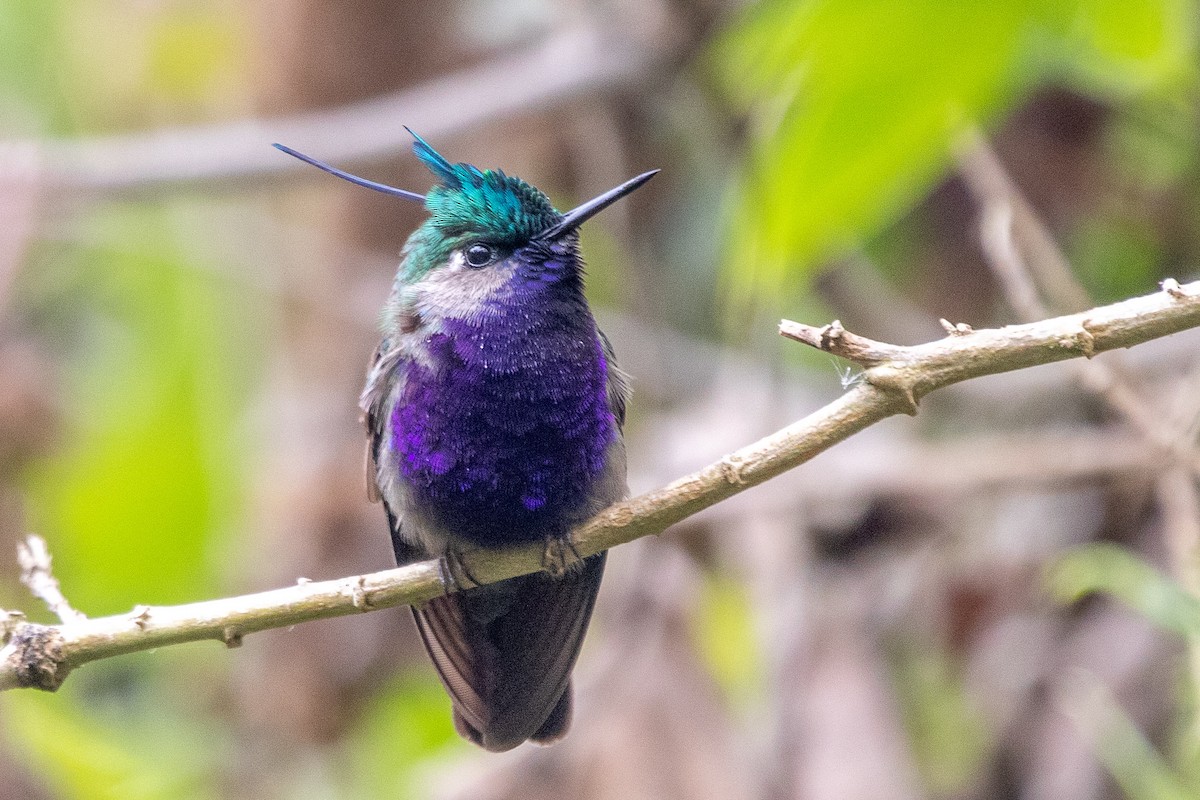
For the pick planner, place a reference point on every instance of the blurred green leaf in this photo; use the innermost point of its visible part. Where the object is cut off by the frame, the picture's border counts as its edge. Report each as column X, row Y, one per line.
column 1155, row 143
column 405, row 729
column 856, row 104
column 1114, row 47
column 194, row 52
column 725, row 639
column 85, row 759
column 1138, row 768
column 149, row 475
column 1183, row 740
column 28, row 81
column 156, row 356
column 948, row 737
column 1115, row 258
column 1108, row 569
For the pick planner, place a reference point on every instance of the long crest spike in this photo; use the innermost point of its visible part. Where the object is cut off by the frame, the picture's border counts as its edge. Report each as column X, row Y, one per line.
column 436, row 162
column 346, row 176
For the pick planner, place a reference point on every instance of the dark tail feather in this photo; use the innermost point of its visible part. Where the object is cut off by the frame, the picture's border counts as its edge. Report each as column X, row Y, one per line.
column 554, row 728
column 505, row 653
column 558, row 723
column 465, row 730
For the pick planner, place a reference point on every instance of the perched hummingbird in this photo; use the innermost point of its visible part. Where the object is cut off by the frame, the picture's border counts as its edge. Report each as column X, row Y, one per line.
column 494, row 407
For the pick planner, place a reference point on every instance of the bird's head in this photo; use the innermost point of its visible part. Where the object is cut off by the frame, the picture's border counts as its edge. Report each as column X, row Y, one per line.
column 485, row 228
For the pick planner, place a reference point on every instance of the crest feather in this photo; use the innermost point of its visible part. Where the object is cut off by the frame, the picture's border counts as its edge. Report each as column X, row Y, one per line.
column 505, row 208
column 451, row 175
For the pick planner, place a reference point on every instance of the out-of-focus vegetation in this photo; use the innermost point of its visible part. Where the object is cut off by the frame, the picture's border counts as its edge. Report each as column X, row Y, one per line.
column 856, row 108
column 160, row 349
column 197, row 352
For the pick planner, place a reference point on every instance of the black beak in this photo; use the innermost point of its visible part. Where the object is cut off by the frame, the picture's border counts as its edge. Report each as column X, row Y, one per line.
column 577, row 216
column 346, row 176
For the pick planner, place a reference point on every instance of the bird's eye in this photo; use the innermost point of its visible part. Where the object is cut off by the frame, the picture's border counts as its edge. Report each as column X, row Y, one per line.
column 479, row 255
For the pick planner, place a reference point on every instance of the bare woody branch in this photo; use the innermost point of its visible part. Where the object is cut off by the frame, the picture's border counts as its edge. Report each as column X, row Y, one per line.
column 894, row 381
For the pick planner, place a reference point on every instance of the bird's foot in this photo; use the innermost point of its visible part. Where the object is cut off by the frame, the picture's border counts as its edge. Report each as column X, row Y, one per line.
column 560, row 555
column 455, row 574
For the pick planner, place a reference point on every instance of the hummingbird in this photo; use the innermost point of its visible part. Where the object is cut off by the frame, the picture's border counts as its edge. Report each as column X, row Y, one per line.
column 494, row 408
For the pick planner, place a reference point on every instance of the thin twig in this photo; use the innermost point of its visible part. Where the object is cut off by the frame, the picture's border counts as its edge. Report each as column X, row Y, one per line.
column 9, row 622
column 896, row 378
column 33, row 556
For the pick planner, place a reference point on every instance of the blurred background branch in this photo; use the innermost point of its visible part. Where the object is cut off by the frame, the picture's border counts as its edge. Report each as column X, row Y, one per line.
column 568, row 64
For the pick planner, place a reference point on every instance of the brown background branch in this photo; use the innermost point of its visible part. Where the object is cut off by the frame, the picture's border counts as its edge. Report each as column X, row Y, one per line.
column 569, row 63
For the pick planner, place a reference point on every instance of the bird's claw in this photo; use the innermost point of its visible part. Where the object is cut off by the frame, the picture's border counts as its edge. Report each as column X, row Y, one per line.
column 454, row 573
column 560, row 556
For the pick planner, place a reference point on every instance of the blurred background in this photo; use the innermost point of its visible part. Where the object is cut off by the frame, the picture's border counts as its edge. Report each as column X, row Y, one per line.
column 996, row 599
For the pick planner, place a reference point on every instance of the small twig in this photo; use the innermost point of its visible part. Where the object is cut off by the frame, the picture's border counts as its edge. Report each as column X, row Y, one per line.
column 955, row 328
column 33, row 556
column 9, row 622
column 41, row 656
column 835, row 339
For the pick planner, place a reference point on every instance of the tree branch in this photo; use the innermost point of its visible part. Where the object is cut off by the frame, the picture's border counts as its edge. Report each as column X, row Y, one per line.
column 895, row 379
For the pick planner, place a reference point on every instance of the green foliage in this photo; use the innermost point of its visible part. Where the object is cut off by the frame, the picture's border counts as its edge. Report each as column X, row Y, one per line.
column 28, row 42
column 142, row 490
column 949, row 740
column 194, row 54
column 147, row 752
column 1115, row 258
column 156, row 354
column 404, row 731
column 149, row 471
column 1156, row 141
column 1115, row 49
column 857, row 106
column 1140, row 770
column 1108, row 569
column 725, row 639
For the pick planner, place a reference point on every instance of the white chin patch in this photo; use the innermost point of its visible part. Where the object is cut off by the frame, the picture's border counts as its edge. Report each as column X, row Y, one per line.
column 459, row 291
